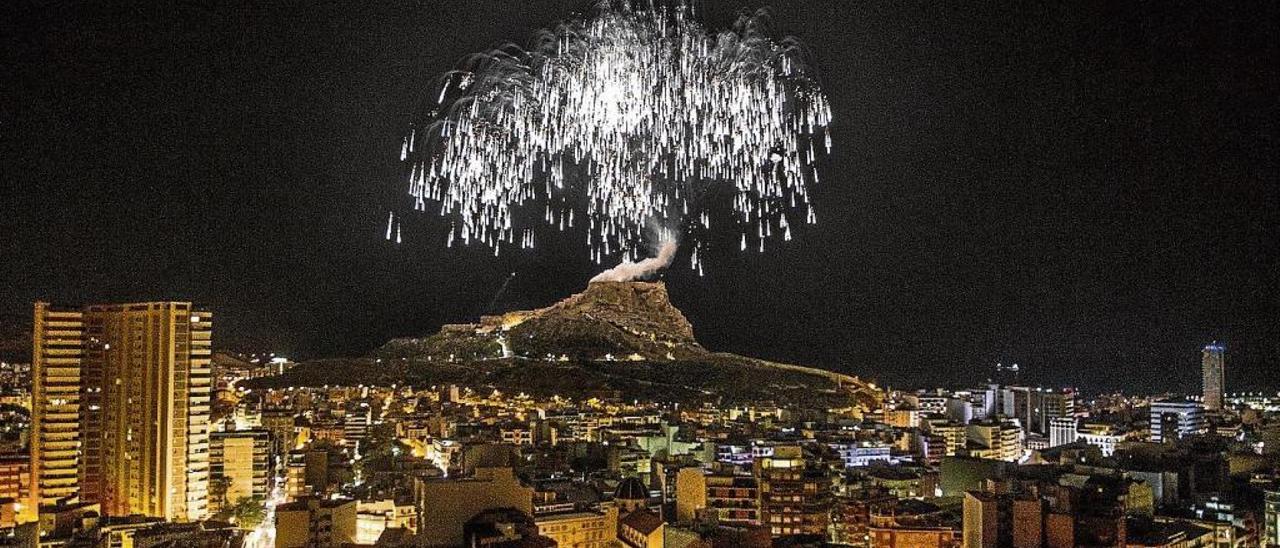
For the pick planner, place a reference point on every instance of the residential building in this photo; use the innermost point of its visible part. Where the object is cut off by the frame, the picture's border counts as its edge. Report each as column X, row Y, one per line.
column 585, row 529
column 691, row 493
column 1103, row 436
column 445, row 504
column 996, row 440
column 862, row 454
column 56, row 351
column 986, row 521
column 953, row 435
column 642, row 529
column 734, row 501
column 146, row 371
column 314, row 522
column 238, row 467
column 375, row 517
column 795, row 495
column 17, row 505
column 121, row 407
column 280, row 423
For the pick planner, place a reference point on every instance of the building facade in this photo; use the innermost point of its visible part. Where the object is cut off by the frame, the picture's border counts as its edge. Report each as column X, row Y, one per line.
column 122, row 407
column 1063, row 430
column 1213, row 372
column 16, row 503
column 56, row 352
column 1173, row 420
column 238, row 467
column 445, row 504
column 795, row 498
column 996, row 440
column 733, row 500
column 1272, row 513
column 587, row 529
column 315, row 522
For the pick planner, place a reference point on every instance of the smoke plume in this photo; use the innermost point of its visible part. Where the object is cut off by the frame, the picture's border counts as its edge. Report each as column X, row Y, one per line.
column 628, row 271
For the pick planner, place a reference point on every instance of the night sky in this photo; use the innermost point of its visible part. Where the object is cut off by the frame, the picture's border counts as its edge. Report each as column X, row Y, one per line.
column 1088, row 189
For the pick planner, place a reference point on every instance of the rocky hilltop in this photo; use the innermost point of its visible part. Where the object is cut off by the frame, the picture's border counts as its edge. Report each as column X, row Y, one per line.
column 609, row 321
column 620, row 338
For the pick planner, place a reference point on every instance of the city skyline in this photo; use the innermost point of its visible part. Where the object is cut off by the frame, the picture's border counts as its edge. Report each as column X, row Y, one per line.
column 128, row 401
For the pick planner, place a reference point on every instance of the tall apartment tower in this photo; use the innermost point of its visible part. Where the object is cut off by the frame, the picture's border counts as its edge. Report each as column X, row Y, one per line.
column 142, row 425
column 1212, row 367
column 56, row 353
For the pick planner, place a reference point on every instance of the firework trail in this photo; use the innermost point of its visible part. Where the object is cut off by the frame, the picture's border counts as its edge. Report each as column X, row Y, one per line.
column 620, row 118
column 628, row 270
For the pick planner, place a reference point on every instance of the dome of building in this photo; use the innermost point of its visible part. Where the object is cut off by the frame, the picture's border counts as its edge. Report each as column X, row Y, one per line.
column 631, row 489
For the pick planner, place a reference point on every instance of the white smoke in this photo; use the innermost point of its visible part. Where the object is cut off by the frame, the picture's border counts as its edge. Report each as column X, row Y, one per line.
column 629, row 271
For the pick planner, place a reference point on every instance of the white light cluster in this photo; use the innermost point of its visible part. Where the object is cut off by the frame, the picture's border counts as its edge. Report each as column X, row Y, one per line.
column 622, row 120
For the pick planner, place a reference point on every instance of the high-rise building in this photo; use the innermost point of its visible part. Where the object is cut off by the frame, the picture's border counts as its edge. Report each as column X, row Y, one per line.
column 1212, row 368
column 1173, row 420
column 1050, row 405
column 238, row 467
column 123, row 410
column 56, row 351
column 1035, row 408
column 1015, row 402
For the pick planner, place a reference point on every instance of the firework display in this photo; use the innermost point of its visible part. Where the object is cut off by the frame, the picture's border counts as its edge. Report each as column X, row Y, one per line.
column 621, row 120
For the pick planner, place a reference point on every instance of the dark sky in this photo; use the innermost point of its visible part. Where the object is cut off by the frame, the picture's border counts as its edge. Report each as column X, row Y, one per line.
column 1087, row 188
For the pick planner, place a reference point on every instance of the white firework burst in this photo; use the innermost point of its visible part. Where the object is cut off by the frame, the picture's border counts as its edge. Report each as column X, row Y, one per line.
column 626, row 115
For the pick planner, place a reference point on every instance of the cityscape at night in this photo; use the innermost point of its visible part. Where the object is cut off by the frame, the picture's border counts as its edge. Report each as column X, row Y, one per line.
column 640, row 274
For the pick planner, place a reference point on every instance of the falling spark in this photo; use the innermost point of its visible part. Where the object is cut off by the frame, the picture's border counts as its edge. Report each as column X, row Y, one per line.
column 630, row 113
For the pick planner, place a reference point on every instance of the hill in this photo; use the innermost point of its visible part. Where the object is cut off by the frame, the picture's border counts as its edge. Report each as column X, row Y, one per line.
column 622, row 338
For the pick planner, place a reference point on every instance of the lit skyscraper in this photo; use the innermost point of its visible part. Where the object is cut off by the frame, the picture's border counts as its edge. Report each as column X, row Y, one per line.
column 122, row 407
column 1212, row 367
column 56, row 352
